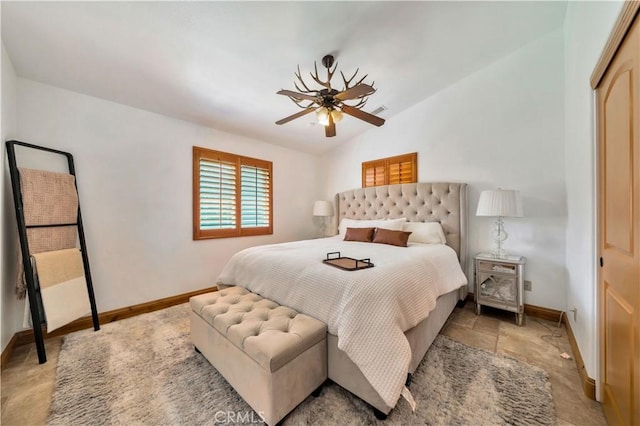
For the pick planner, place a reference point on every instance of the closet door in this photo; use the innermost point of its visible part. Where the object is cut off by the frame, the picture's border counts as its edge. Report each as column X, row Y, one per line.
column 618, row 111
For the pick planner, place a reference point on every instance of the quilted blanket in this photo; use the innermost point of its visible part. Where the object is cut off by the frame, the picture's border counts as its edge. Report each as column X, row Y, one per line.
column 369, row 310
column 63, row 286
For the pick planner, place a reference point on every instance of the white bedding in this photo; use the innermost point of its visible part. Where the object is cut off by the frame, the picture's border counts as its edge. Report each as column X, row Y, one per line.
column 369, row 310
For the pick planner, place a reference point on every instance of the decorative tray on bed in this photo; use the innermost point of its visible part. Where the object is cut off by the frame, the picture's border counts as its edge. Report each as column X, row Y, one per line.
column 347, row 263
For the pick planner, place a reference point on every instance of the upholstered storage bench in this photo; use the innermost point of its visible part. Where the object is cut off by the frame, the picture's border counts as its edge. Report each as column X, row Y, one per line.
column 273, row 356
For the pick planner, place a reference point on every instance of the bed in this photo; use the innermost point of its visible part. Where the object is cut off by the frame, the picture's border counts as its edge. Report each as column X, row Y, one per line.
column 354, row 311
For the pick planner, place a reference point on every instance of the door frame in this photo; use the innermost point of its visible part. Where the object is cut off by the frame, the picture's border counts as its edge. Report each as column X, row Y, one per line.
column 622, row 25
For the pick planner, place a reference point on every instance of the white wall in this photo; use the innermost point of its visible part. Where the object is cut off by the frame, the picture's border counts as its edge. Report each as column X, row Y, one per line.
column 135, row 184
column 586, row 29
column 8, row 303
column 499, row 127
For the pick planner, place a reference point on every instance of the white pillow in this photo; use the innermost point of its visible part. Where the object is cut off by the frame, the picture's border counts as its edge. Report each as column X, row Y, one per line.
column 425, row 232
column 392, row 224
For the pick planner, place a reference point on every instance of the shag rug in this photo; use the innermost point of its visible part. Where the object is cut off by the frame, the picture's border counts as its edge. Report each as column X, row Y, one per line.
column 144, row 371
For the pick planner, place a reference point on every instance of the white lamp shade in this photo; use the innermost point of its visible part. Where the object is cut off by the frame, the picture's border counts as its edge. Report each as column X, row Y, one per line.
column 500, row 202
column 323, row 208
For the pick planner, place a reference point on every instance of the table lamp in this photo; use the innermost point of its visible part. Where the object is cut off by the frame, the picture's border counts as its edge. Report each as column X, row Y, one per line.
column 500, row 203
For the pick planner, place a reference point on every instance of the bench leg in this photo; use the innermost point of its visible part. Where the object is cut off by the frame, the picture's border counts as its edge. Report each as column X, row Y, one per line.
column 316, row 393
column 379, row 414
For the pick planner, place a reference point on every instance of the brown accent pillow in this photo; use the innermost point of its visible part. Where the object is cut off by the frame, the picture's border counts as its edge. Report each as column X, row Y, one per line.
column 364, row 235
column 395, row 238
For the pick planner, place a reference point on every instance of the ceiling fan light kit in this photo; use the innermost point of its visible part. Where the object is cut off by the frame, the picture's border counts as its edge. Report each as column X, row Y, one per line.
column 322, row 114
column 328, row 103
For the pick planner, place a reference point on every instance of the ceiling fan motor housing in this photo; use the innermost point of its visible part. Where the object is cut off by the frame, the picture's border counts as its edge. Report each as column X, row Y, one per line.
column 327, row 97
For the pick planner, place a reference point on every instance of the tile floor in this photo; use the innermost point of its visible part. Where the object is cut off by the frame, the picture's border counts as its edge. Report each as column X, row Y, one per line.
column 27, row 386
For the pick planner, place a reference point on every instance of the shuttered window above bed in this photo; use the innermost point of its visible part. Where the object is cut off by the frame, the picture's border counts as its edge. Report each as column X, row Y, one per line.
column 232, row 195
column 391, row 170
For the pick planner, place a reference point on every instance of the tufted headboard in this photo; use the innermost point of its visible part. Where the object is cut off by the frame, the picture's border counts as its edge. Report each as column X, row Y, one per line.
column 443, row 202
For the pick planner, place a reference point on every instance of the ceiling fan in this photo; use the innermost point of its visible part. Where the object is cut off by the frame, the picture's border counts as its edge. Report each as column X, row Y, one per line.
column 328, row 103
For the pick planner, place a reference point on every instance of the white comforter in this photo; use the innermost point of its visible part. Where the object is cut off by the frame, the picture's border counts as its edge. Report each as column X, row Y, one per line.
column 369, row 310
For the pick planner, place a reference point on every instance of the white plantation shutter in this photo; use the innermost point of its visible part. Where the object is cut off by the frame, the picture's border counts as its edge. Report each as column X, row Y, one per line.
column 217, row 194
column 232, row 195
column 254, row 196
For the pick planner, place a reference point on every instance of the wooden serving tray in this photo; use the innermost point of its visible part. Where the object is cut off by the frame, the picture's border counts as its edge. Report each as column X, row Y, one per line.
column 347, row 263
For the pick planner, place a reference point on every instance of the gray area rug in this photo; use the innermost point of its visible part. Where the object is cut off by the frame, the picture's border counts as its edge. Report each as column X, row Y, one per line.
column 144, row 371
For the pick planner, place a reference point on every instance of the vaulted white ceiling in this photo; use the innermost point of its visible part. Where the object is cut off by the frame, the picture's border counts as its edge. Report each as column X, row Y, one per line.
column 220, row 63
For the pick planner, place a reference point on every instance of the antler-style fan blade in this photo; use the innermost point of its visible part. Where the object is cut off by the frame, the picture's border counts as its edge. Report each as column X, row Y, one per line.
column 355, row 112
column 330, row 130
column 355, row 92
column 297, row 95
column 296, row 115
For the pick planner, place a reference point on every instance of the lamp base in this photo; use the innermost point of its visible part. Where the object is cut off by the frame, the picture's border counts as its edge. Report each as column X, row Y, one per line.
column 323, row 227
column 499, row 237
column 502, row 254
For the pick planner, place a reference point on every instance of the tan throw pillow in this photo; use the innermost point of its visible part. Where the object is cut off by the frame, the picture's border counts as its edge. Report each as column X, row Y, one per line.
column 395, row 238
column 364, row 235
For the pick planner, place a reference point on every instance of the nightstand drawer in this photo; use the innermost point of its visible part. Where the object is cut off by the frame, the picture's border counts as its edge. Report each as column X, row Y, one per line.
column 498, row 288
column 503, row 268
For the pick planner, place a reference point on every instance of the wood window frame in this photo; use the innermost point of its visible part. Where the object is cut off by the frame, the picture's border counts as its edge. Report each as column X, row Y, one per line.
column 385, row 164
column 239, row 161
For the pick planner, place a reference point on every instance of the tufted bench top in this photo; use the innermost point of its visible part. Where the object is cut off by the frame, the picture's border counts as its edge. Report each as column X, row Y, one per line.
column 272, row 335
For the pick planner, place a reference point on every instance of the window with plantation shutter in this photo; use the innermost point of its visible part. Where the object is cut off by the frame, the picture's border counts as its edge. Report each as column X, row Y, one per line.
column 391, row 170
column 232, row 195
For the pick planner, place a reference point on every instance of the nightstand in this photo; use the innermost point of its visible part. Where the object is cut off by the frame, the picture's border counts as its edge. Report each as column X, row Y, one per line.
column 499, row 283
